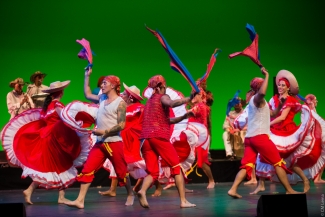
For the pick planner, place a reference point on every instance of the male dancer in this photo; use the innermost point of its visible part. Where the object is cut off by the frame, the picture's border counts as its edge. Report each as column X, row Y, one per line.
column 257, row 139
column 156, row 135
column 110, row 121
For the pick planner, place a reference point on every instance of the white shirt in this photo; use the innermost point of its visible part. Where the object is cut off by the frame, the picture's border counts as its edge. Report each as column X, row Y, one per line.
column 258, row 119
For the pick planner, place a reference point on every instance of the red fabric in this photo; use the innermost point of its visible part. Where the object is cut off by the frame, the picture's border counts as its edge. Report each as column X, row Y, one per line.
column 115, row 81
column 202, row 156
column 263, row 145
column 155, row 80
column 153, row 148
column 155, row 119
column 201, row 113
column 97, row 157
column 310, row 160
column 256, row 83
column 288, row 126
column 285, row 81
column 131, row 133
column 251, row 52
column 182, row 147
column 87, row 119
column 47, row 145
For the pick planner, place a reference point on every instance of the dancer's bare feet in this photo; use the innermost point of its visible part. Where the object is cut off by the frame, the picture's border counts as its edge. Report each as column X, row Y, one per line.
column 27, row 195
column 234, row 194
column 211, row 185
column 76, row 204
column 129, row 200
column 321, row 181
column 169, row 186
column 259, row 188
column 186, row 204
column 251, row 182
column 143, row 199
column 62, row 200
column 306, row 186
column 137, row 185
column 294, row 192
column 188, row 190
column 108, row 193
column 158, row 191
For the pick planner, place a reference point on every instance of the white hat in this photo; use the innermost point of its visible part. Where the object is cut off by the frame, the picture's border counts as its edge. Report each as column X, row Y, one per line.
column 56, row 86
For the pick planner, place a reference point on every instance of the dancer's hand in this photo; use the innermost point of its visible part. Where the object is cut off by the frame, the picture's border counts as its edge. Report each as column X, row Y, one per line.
column 98, row 132
column 264, row 71
column 282, row 100
column 189, row 113
column 88, row 71
column 193, row 95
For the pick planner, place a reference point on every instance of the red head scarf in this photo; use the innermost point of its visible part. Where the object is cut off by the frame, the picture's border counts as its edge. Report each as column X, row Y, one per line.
column 256, row 84
column 156, row 80
column 114, row 80
column 285, row 81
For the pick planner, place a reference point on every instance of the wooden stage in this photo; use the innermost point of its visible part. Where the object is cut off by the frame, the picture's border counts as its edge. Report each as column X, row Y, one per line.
column 210, row 202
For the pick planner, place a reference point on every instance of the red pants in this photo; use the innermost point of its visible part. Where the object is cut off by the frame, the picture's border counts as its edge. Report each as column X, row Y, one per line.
column 153, row 148
column 263, row 145
column 97, row 156
column 202, row 156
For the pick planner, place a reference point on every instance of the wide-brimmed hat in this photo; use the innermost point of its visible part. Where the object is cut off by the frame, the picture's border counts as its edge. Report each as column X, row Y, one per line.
column 294, row 87
column 33, row 76
column 133, row 91
column 56, row 86
column 16, row 81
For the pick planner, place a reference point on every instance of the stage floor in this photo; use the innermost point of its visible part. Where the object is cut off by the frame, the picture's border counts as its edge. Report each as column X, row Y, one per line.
column 210, row 202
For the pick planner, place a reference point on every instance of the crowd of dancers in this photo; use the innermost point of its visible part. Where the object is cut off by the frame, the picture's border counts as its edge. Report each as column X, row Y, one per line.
column 160, row 142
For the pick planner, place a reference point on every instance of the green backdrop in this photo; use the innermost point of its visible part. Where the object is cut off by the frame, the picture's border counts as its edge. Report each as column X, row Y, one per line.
column 41, row 35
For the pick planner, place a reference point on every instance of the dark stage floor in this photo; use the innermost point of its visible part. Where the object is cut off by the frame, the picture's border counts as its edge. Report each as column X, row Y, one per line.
column 212, row 202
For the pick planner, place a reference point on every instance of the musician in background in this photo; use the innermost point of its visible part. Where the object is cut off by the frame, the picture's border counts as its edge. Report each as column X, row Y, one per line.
column 17, row 101
column 34, row 90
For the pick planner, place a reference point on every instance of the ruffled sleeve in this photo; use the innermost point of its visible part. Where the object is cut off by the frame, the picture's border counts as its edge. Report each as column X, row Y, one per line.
column 293, row 104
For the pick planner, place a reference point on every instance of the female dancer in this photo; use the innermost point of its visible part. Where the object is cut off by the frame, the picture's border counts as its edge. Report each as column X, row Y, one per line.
column 286, row 135
column 45, row 148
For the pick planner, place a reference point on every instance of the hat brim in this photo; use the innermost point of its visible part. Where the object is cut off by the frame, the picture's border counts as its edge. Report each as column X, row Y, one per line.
column 294, row 87
column 64, row 84
column 138, row 97
column 32, row 78
column 12, row 84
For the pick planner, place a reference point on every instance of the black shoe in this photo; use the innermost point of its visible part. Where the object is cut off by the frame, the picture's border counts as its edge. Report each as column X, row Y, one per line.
column 230, row 157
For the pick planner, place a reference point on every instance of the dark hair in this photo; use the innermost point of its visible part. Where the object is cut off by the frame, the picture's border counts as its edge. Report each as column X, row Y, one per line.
column 49, row 98
column 209, row 99
column 100, row 81
column 47, row 102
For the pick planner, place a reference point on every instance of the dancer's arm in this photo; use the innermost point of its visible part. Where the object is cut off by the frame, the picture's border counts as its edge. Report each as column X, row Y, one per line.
column 121, row 117
column 168, row 102
column 179, row 118
column 259, row 100
column 87, row 91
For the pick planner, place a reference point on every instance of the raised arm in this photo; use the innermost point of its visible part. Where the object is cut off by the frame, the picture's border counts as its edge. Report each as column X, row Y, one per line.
column 167, row 102
column 87, row 91
column 259, row 100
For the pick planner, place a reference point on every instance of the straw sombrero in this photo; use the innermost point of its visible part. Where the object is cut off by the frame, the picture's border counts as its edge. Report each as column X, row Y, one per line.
column 16, row 81
column 133, row 91
column 56, row 86
column 33, row 76
column 294, row 87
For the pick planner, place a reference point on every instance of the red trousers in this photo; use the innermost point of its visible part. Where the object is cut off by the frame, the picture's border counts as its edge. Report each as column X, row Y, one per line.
column 263, row 145
column 97, row 156
column 202, row 156
column 152, row 148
